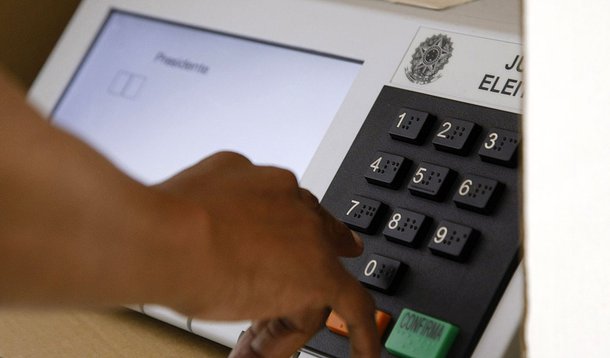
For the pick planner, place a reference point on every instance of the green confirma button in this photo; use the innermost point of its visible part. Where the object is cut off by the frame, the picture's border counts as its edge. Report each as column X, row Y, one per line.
column 419, row 336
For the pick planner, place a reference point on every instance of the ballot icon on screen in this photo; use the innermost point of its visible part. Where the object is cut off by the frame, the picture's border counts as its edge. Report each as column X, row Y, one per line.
column 126, row 84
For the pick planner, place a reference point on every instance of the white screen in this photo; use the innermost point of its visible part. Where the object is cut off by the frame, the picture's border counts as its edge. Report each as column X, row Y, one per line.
column 156, row 97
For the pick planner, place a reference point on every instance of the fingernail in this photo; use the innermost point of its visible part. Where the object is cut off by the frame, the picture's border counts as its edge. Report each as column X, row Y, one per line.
column 358, row 240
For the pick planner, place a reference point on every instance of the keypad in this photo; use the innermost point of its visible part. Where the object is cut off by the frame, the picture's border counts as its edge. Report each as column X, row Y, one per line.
column 430, row 181
column 386, row 169
column 410, row 125
column 500, row 147
column 477, row 193
column 438, row 214
column 452, row 240
column 455, row 136
column 381, row 273
column 405, row 227
column 361, row 213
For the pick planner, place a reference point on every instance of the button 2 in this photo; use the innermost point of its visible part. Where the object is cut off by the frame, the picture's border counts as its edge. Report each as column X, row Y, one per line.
column 430, row 181
column 361, row 214
column 381, row 273
column 455, row 136
column 386, row 169
column 452, row 240
column 477, row 193
column 410, row 125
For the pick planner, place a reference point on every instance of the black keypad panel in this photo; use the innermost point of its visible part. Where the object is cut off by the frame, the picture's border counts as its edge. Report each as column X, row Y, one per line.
column 361, row 213
column 455, row 136
column 452, row 240
column 405, row 227
column 381, row 273
column 477, row 193
column 500, row 147
column 434, row 203
column 386, row 169
column 410, row 125
column 430, row 181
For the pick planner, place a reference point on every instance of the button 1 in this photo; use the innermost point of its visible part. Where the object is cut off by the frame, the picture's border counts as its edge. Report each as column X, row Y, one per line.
column 405, row 227
column 410, row 125
column 386, row 169
column 452, row 240
column 500, row 147
column 361, row 214
column 455, row 136
column 337, row 325
column 477, row 193
column 416, row 335
column 381, row 273
column 430, row 181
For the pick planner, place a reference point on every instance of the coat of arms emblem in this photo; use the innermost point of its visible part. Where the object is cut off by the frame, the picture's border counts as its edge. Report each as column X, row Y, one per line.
column 429, row 59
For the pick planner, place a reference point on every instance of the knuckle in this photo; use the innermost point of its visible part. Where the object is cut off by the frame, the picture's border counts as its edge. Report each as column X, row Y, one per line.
column 285, row 178
column 232, row 157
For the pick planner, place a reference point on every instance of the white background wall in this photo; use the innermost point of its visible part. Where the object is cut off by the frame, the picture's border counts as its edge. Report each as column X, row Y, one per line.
column 567, row 129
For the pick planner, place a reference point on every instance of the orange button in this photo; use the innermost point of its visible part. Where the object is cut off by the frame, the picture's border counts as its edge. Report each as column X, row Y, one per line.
column 337, row 325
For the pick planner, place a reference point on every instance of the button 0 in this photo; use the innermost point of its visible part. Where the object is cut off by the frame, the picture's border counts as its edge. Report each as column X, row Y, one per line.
column 416, row 335
column 381, row 273
column 337, row 325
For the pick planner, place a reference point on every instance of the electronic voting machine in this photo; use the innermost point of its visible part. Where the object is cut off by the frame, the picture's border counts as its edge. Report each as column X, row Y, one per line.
column 405, row 122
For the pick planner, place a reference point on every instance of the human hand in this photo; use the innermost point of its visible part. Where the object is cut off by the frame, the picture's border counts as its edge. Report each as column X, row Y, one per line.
column 270, row 254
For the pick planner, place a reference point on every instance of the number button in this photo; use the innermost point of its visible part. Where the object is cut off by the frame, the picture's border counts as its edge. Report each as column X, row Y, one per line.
column 455, row 136
column 410, row 125
column 381, row 273
column 405, row 227
column 500, row 147
column 386, row 169
column 477, row 193
column 452, row 240
column 430, row 181
column 361, row 214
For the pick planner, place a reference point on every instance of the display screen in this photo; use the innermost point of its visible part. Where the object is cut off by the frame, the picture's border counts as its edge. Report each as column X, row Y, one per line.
column 156, row 97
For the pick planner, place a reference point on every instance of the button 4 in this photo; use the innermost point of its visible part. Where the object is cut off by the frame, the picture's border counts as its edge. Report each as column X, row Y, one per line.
column 386, row 169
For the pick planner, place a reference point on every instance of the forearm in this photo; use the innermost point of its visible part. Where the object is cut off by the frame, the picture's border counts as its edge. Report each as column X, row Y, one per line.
column 73, row 229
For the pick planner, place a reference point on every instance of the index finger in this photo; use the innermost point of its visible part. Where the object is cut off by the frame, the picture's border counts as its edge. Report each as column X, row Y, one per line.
column 356, row 306
column 343, row 241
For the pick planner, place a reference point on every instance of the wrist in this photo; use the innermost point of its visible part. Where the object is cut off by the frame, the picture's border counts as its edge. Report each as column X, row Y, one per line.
column 173, row 251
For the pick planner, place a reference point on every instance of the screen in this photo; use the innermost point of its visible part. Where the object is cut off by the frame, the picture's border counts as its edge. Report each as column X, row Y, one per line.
column 156, row 97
